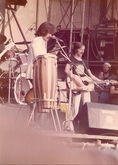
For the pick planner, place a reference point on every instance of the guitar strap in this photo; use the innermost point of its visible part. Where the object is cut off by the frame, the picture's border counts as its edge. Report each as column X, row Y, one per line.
column 85, row 68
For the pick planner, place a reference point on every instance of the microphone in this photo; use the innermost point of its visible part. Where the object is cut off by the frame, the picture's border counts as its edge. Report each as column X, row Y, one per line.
column 56, row 49
column 56, row 38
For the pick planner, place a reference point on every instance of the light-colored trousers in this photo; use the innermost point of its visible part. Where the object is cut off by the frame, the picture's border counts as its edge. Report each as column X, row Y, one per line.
column 76, row 100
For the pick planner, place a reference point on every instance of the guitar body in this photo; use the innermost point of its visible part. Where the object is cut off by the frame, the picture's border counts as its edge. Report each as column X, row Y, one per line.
column 87, row 82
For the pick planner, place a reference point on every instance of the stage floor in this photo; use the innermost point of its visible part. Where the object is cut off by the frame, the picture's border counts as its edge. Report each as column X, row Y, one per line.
column 31, row 145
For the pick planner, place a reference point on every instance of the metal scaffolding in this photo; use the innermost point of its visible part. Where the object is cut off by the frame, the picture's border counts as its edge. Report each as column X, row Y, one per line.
column 75, row 26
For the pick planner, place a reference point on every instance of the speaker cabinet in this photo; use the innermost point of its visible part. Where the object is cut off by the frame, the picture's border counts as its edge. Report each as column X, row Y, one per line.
column 97, row 118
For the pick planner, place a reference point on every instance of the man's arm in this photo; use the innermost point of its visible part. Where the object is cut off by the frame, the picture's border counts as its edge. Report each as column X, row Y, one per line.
column 113, row 90
column 94, row 78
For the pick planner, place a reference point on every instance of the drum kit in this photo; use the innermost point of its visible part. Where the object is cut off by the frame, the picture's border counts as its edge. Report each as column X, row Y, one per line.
column 13, row 78
column 42, row 94
column 13, row 84
column 13, row 66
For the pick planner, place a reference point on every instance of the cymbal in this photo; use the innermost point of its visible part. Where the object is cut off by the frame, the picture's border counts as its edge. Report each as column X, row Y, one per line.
column 23, row 42
column 2, row 38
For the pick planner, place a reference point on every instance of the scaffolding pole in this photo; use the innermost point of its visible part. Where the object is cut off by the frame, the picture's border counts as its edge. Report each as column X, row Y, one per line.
column 71, row 27
column 83, row 16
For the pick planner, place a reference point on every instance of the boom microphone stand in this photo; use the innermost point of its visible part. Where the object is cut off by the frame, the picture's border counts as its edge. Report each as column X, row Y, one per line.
column 67, row 123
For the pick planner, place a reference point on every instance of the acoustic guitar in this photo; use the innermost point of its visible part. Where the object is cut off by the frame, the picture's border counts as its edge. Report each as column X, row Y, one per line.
column 87, row 82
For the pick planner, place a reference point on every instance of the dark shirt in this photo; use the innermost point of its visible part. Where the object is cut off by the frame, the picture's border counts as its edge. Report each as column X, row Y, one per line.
column 105, row 96
column 78, row 67
column 114, row 97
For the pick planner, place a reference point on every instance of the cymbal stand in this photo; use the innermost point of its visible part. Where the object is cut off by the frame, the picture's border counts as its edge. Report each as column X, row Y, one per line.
column 19, row 86
column 9, row 90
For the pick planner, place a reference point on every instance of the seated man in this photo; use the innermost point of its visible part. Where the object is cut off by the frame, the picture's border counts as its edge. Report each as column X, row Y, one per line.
column 106, row 74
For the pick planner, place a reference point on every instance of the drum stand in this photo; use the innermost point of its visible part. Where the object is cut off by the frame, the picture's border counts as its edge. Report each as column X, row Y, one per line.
column 33, row 113
column 10, row 87
column 20, row 86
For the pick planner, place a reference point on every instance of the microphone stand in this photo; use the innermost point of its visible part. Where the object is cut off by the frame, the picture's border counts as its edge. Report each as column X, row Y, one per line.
column 69, row 119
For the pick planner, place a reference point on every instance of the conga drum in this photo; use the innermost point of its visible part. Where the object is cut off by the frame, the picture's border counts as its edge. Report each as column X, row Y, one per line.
column 45, row 81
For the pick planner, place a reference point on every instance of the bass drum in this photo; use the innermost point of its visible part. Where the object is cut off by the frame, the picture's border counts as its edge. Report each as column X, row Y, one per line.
column 21, row 87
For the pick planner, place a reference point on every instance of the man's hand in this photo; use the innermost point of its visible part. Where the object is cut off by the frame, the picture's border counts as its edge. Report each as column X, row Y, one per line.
column 85, row 88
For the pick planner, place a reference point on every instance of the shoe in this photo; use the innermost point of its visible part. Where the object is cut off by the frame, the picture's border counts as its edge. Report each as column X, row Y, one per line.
column 68, row 129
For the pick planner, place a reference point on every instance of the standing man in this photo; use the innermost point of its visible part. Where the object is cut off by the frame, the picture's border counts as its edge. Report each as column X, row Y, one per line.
column 82, row 77
column 106, row 74
column 39, row 45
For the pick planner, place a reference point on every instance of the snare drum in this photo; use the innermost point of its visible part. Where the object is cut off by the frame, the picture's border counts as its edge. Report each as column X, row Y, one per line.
column 45, row 81
column 8, row 60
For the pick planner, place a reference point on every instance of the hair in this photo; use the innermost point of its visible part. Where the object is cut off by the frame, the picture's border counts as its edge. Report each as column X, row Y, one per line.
column 44, row 29
column 76, row 46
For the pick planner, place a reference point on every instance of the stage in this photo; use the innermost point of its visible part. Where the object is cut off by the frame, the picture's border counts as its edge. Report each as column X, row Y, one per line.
column 29, row 144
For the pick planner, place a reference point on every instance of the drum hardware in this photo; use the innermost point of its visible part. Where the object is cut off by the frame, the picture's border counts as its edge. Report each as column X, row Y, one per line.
column 1, row 99
column 21, row 92
column 23, row 42
column 22, row 59
column 6, row 57
column 21, row 88
column 9, row 88
column 7, row 47
column 58, row 96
